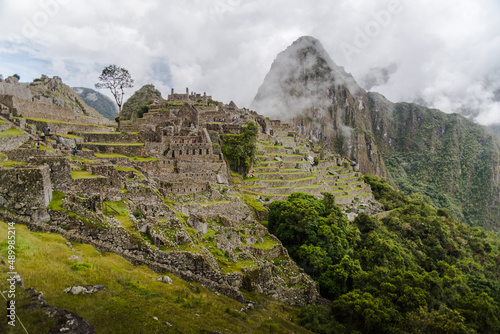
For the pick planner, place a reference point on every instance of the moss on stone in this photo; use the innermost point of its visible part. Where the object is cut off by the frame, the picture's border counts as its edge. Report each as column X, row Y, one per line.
column 83, row 174
column 11, row 132
column 56, row 203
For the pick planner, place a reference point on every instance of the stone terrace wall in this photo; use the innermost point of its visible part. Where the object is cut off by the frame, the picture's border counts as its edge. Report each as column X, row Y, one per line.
column 201, row 167
column 33, row 109
column 90, row 186
column 156, row 150
column 217, row 115
column 38, row 110
column 158, row 168
column 16, row 90
column 282, row 130
column 112, row 137
column 121, row 149
column 214, row 127
column 113, row 178
column 183, row 187
column 201, row 176
column 60, row 171
column 24, row 155
column 28, row 190
column 232, row 129
column 64, row 128
column 234, row 210
column 12, row 142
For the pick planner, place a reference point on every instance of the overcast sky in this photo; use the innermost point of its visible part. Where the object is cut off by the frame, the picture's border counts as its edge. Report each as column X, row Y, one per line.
column 443, row 53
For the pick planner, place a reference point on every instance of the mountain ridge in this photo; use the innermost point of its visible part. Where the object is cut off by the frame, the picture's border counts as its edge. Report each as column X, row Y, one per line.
column 100, row 102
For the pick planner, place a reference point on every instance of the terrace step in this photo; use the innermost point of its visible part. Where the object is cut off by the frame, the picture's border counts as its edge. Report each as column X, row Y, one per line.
column 272, row 149
column 347, row 175
column 129, row 149
column 282, row 176
column 282, row 183
column 266, row 169
column 111, row 137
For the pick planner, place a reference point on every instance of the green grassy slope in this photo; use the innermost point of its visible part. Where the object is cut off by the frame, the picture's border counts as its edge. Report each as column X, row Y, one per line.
column 133, row 296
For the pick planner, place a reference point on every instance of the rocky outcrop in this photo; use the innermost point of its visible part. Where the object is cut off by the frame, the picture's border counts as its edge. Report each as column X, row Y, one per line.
column 79, row 290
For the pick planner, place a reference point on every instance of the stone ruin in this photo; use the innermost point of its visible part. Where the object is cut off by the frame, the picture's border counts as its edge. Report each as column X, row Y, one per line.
column 192, row 97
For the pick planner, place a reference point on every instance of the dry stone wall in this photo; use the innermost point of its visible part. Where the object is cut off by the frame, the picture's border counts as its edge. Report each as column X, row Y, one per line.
column 16, row 90
column 24, row 155
column 130, row 150
column 183, row 187
column 28, row 190
column 65, row 127
column 32, row 109
column 60, row 171
column 10, row 143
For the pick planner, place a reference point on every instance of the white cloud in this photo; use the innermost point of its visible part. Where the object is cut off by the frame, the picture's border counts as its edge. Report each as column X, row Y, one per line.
column 446, row 52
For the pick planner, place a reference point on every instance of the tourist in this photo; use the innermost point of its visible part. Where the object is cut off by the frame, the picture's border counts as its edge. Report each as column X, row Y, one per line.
column 43, row 135
column 74, row 150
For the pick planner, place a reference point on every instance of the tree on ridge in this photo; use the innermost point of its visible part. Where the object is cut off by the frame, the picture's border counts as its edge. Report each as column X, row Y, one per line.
column 116, row 79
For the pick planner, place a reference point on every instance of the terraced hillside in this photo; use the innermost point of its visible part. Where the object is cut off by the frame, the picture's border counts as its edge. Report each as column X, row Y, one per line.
column 288, row 164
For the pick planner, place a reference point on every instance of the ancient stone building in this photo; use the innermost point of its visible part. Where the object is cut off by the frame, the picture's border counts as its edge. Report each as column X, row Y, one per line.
column 193, row 97
column 182, row 147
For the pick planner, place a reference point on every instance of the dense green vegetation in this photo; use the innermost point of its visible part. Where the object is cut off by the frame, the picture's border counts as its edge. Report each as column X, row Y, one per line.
column 239, row 150
column 412, row 269
column 448, row 159
column 496, row 128
column 11, row 132
column 100, row 102
column 136, row 102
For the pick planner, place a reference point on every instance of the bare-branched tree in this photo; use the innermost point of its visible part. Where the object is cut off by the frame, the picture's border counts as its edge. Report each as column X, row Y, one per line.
column 116, row 79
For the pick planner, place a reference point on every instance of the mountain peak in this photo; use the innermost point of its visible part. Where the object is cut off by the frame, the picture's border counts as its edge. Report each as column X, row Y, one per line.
column 307, row 40
column 300, row 77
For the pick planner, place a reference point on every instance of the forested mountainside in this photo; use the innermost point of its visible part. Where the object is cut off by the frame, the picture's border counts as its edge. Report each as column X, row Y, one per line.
column 496, row 128
column 100, row 102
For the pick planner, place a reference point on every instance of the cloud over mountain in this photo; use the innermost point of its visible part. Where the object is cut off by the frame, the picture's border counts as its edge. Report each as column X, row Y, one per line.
column 443, row 54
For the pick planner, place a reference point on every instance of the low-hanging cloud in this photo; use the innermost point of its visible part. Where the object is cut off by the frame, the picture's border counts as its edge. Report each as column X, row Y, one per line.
column 445, row 53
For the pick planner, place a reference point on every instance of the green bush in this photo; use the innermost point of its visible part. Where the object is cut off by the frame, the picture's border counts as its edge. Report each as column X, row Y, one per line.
column 239, row 150
column 138, row 214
